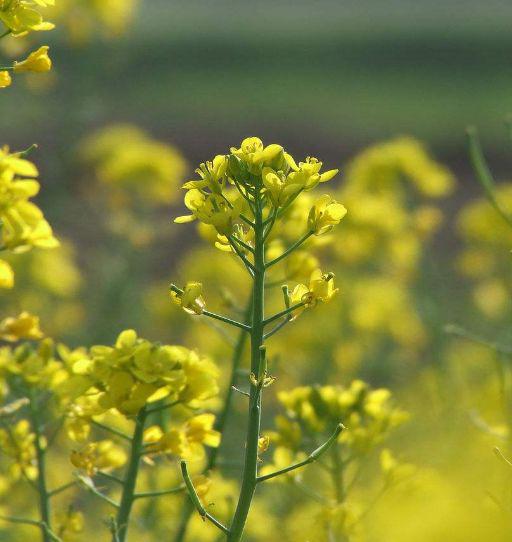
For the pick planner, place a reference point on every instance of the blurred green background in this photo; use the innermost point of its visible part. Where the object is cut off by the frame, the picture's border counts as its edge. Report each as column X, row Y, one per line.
column 334, row 75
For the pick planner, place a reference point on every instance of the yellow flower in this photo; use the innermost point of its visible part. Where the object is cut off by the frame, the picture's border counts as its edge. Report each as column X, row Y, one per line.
column 191, row 300
column 187, row 441
column 24, row 326
column 199, row 431
column 6, row 275
column 201, row 376
column 299, row 294
column 321, row 286
column 212, row 175
column 69, row 523
column 307, row 174
column 104, row 455
column 21, row 17
column 263, row 444
column 37, row 61
column 19, row 444
column 23, row 223
column 5, row 79
column 325, row 214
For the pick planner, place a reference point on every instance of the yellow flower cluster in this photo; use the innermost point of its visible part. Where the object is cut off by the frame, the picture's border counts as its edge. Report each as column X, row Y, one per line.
column 23, row 16
column 134, row 165
column 24, row 326
column 186, row 441
column 20, row 17
column 104, row 455
column 368, row 415
column 23, row 223
column 36, row 367
column 135, row 371
column 485, row 258
column 227, row 185
column 17, row 442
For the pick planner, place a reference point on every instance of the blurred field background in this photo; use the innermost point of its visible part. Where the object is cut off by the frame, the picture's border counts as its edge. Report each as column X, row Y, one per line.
column 327, row 78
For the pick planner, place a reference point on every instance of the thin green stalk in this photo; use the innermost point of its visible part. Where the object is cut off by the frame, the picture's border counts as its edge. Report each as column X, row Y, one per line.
column 250, row 471
column 290, row 249
column 220, row 425
column 197, row 501
column 130, row 480
column 483, row 173
column 313, row 456
column 338, row 478
column 338, row 475
column 44, row 494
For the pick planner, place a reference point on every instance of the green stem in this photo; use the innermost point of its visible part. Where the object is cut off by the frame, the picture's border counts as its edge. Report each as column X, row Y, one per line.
column 196, row 501
column 44, row 494
column 483, row 173
column 338, row 475
column 130, row 480
column 339, row 488
column 112, row 430
column 313, row 456
column 220, row 425
column 284, row 312
column 250, row 471
column 290, row 249
column 158, row 493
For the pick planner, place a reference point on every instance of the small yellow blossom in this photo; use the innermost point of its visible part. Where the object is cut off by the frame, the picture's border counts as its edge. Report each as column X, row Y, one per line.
column 37, row 61
column 104, row 455
column 5, row 79
column 23, row 17
column 263, row 444
column 321, row 286
column 24, row 326
column 6, row 275
column 325, row 214
column 19, row 445
column 191, row 300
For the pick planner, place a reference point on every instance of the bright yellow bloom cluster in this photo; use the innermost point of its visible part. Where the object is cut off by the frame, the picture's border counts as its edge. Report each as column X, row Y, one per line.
column 135, row 371
column 23, row 223
column 131, row 163
column 368, row 415
column 254, row 168
column 186, row 441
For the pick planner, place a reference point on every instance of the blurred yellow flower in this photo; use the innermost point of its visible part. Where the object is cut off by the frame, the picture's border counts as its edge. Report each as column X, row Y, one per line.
column 24, row 326
column 103, row 455
column 37, row 61
column 5, row 79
